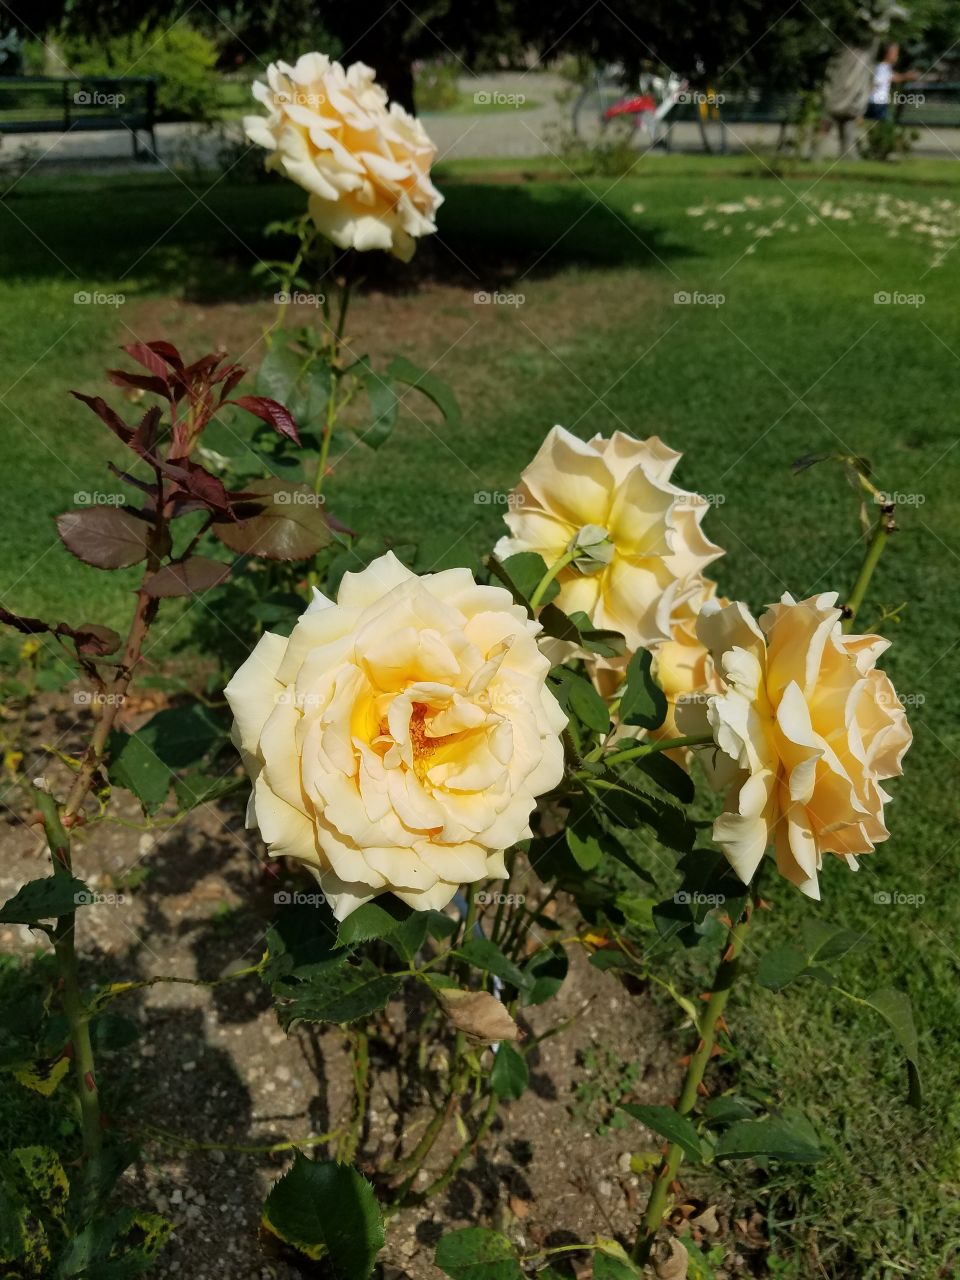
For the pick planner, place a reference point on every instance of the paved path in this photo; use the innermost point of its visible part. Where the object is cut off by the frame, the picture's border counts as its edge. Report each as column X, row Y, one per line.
column 502, row 124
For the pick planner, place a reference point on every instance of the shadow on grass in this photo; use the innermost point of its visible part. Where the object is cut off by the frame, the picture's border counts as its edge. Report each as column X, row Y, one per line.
column 155, row 232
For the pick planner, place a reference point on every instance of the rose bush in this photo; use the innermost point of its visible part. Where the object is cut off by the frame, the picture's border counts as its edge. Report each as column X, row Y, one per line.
column 365, row 162
column 631, row 538
column 399, row 738
column 809, row 728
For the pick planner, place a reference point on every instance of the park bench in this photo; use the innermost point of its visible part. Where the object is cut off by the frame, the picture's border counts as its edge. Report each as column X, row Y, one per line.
column 932, row 106
column 737, row 109
column 80, row 104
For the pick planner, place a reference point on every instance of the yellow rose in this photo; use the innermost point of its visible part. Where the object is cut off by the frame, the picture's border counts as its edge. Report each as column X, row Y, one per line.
column 398, row 739
column 366, row 164
column 640, row 534
column 807, row 728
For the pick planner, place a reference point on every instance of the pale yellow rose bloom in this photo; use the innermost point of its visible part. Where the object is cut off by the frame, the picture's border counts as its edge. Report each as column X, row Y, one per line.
column 641, row 533
column 365, row 162
column 397, row 741
column 807, row 728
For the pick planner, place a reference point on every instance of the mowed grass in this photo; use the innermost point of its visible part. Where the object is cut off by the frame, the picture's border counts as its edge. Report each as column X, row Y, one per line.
column 798, row 359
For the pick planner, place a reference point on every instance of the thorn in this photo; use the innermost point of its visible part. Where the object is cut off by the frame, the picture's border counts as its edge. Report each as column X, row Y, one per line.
column 89, row 1081
column 717, row 1051
column 703, row 1091
column 723, row 1025
column 728, row 954
column 685, row 1060
column 705, row 996
column 764, row 905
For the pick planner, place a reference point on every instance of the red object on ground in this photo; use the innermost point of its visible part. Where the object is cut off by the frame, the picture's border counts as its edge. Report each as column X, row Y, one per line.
column 631, row 106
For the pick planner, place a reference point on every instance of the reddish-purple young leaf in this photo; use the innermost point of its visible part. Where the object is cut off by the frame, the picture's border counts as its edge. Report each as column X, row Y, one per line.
column 231, row 376
column 199, row 573
column 290, row 526
column 106, row 537
column 27, row 626
column 105, row 414
column 167, row 351
column 95, row 641
column 145, row 436
column 139, row 381
column 270, row 411
column 196, row 482
column 145, row 353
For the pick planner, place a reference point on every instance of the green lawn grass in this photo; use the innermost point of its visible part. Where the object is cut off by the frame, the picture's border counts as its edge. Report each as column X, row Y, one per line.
column 798, row 359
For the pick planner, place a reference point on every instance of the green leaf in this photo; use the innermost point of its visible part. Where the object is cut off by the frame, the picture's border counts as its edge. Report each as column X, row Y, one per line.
column 788, row 1138
column 585, row 836
column 546, row 969
column 726, row 1109
column 825, row 942
column 667, row 774
column 279, row 374
column 521, row 574
column 112, row 1031
column 587, row 705
column 608, row 1265
column 486, row 955
column 510, row 1074
column 173, row 739
column 670, row 1125
column 477, row 1253
column 135, row 765
column 198, row 787
column 372, row 920
column 327, row 1210
column 44, row 899
column 643, row 701
column 576, row 628
column 428, row 384
column 781, row 966
column 289, row 525
column 332, row 992
column 896, row 1010
column 119, row 1246
column 383, row 404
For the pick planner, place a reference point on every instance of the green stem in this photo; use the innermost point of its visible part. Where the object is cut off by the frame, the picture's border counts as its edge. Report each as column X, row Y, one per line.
column 884, row 527
column 347, row 1147
column 722, row 986
column 445, row 1178
column 189, row 1144
column 332, row 407
column 664, row 744
column 557, row 567
column 78, row 1017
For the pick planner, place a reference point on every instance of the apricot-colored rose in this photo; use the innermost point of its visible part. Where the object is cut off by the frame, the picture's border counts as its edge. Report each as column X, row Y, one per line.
column 366, row 164
column 397, row 741
column 640, row 534
column 808, row 728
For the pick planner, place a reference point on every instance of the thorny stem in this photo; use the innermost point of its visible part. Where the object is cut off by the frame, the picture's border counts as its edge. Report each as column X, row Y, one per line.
column 650, row 748
column 722, row 986
column 347, row 1147
column 445, row 1178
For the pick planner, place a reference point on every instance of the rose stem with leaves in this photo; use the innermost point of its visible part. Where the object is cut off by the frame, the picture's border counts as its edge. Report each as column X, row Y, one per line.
column 886, row 524
column 335, row 375
column 722, row 986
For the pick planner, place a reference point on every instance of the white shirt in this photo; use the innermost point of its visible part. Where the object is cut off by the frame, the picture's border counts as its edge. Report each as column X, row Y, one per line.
column 882, row 78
